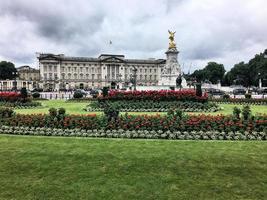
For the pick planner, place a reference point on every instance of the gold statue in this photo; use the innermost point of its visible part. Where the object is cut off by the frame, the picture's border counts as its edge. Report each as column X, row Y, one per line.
column 172, row 44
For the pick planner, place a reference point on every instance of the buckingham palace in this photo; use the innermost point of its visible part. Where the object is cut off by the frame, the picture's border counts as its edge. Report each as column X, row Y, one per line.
column 58, row 71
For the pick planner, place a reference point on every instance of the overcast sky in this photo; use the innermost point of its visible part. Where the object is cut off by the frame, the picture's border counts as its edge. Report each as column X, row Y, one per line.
column 225, row 31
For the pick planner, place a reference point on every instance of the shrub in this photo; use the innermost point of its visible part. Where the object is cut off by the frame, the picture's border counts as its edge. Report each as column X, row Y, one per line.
column 248, row 96
column 154, row 106
column 175, row 113
column 6, row 112
column 23, row 92
column 105, row 91
column 52, row 112
column 236, row 112
column 61, row 111
column 78, row 95
column 246, row 112
column 198, row 90
column 226, row 96
column 111, row 112
column 36, row 95
column 156, row 95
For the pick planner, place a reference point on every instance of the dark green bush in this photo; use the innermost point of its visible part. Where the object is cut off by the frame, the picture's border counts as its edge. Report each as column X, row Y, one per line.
column 236, row 112
column 61, row 111
column 77, row 95
column 24, row 93
column 246, row 112
column 248, row 96
column 105, row 91
column 52, row 112
column 6, row 112
column 111, row 111
column 226, row 96
column 36, row 95
column 198, row 90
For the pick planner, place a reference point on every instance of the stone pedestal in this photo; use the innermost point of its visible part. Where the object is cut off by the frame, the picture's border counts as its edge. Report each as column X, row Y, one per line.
column 171, row 70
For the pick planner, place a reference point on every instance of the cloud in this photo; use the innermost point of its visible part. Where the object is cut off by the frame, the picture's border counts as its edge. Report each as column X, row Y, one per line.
column 224, row 31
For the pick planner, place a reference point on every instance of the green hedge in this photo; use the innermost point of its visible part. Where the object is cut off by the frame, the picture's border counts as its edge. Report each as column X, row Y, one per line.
column 240, row 101
column 20, row 104
column 145, row 134
column 154, row 106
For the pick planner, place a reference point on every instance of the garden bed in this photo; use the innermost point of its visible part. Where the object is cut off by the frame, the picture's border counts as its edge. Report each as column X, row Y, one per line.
column 240, row 101
column 153, row 106
column 130, row 134
column 21, row 105
column 170, row 122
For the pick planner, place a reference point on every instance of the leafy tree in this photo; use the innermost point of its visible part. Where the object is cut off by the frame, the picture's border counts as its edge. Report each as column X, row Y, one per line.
column 248, row 74
column 213, row 72
column 199, row 75
column 7, row 70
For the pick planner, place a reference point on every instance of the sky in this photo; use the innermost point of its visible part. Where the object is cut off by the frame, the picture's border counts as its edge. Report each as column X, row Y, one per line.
column 223, row 31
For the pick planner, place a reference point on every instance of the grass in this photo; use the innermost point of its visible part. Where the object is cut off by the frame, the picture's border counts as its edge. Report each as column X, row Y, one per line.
column 77, row 108
column 81, row 168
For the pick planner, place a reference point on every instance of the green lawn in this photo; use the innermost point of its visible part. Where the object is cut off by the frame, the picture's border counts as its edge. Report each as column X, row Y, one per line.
column 77, row 108
column 81, row 168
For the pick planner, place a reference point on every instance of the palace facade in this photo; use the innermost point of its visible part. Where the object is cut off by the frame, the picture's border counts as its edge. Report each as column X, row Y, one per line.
column 58, row 71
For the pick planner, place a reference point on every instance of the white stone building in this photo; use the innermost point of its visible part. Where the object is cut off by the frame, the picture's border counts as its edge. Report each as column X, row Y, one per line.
column 64, row 72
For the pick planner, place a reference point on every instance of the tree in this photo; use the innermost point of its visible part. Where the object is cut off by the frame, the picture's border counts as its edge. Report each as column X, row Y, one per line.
column 213, row 72
column 7, row 70
column 248, row 74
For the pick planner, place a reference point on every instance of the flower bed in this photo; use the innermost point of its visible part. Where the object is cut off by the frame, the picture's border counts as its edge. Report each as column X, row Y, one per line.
column 10, row 96
column 120, row 133
column 15, row 99
column 157, row 95
column 154, row 106
column 20, row 105
column 141, row 122
column 240, row 101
